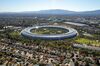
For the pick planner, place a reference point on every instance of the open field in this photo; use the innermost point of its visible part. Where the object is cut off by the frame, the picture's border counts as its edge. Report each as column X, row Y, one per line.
column 88, row 41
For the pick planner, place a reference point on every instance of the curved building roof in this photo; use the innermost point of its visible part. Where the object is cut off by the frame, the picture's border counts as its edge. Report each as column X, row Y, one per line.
column 70, row 34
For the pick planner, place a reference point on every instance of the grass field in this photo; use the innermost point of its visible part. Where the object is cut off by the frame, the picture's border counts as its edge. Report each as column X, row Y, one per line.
column 88, row 41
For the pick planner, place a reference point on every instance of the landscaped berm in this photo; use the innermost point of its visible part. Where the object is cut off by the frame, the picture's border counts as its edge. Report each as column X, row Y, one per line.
column 49, row 32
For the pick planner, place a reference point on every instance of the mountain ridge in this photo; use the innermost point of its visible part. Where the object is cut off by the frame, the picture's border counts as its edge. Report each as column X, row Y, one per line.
column 57, row 11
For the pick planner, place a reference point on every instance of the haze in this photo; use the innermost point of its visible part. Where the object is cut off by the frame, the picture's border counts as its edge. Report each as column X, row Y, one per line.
column 36, row 5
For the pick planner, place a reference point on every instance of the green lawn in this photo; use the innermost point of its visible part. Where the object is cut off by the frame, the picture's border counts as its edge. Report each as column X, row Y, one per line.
column 88, row 41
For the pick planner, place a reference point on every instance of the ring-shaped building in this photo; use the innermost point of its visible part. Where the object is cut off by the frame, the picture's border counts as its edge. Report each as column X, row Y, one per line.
column 70, row 34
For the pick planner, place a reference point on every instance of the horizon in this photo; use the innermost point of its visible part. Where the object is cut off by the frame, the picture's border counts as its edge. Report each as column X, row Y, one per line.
column 45, row 10
column 35, row 5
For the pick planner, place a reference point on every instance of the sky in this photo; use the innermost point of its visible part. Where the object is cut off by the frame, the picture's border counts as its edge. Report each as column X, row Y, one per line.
column 36, row 5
